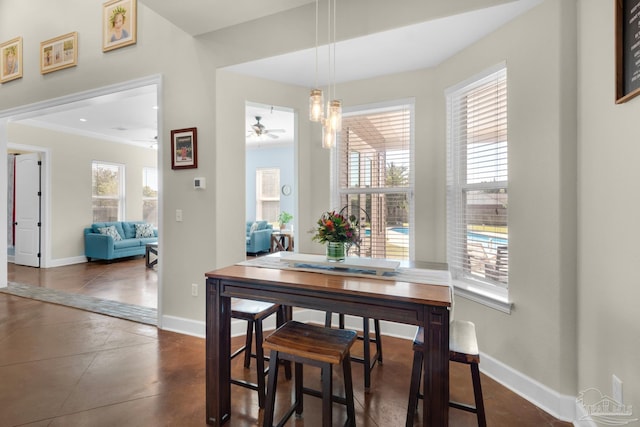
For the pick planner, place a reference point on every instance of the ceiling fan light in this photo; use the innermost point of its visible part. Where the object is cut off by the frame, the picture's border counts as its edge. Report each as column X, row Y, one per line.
column 316, row 105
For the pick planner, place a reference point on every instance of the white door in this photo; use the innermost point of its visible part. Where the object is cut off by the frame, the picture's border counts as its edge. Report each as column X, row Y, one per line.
column 27, row 205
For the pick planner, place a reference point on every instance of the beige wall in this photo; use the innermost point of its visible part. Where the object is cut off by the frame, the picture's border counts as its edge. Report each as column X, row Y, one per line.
column 69, row 162
column 608, row 202
column 538, row 68
column 573, row 245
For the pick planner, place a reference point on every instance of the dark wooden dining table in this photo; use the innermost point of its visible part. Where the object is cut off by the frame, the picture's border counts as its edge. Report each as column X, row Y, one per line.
column 396, row 301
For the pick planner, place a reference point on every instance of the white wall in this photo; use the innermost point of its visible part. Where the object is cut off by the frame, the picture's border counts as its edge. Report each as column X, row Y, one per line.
column 70, row 159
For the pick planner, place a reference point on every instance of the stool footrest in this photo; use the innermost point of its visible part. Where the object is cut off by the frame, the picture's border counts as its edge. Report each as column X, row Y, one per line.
column 463, row 406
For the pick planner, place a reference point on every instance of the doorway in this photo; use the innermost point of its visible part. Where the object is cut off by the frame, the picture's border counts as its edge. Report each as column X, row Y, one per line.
column 25, row 208
column 270, row 165
column 99, row 99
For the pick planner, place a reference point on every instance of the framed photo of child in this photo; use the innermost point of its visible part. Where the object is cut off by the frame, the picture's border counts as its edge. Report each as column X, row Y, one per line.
column 11, row 60
column 119, row 24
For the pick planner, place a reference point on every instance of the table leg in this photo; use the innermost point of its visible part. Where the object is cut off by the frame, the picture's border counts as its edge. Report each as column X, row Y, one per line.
column 218, row 362
column 436, row 367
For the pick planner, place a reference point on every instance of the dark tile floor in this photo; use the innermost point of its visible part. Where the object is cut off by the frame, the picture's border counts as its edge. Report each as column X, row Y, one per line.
column 61, row 366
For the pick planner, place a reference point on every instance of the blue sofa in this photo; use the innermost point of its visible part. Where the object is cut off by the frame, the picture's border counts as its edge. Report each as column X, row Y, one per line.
column 258, row 239
column 102, row 246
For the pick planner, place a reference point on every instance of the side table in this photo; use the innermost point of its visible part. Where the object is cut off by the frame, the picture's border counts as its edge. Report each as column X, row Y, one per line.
column 281, row 241
column 151, row 248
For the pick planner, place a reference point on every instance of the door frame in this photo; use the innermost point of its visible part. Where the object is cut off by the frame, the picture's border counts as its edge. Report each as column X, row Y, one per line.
column 36, row 109
column 45, row 212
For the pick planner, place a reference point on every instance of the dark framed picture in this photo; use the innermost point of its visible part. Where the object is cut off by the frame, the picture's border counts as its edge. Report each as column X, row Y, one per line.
column 627, row 49
column 119, row 24
column 11, row 60
column 59, row 53
column 184, row 148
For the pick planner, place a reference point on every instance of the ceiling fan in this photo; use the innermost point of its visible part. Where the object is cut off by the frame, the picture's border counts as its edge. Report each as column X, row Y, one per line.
column 258, row 129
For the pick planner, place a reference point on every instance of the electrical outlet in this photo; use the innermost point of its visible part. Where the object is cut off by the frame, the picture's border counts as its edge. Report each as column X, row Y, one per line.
column 194, row 289
column 179, row 215
column 617, row 389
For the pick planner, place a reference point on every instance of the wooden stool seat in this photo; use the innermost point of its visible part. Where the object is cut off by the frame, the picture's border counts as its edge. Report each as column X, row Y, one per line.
column 254, row 312
column 367, row 359
column 316, row 346
column 463, row 348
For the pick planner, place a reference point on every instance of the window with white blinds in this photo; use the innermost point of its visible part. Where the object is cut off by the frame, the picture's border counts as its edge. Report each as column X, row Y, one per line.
column 268, row 194
column 477, row 179
column 375, row 178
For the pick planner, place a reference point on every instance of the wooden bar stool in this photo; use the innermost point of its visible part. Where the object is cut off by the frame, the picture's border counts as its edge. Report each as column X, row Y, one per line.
column 367, row 359
column 316, row 346
column 463, row 348
column 254, row 312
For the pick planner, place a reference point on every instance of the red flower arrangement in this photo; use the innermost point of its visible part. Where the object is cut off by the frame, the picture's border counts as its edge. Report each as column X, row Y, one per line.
column 336, row 227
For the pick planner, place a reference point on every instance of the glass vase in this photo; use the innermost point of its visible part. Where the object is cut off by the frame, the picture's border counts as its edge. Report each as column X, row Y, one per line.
column 335, row 251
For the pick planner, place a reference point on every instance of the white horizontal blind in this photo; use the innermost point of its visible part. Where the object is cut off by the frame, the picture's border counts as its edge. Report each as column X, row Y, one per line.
column 477, row 179
column 107, row 191
column 268, row 194
column 375, row 179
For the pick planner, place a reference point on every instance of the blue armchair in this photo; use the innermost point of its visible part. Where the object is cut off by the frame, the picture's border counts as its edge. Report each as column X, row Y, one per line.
column 258, row 236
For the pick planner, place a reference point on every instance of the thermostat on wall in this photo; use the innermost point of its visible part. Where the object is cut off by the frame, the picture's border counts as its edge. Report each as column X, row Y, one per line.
column 199, row 183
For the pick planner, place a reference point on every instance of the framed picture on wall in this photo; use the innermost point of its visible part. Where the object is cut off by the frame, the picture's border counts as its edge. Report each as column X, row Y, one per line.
column 119, row 24
column 627, row 50
column 11, row 60
column 59, row 53
column 184, row 148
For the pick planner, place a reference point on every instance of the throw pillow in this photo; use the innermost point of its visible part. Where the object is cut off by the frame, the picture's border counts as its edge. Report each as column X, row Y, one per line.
column 254, row 227
column 144, row 230
column 110, row 231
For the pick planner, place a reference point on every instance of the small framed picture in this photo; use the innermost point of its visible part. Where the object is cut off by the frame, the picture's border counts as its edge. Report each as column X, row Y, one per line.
column 184, row 148
column 11, row 60
column 59, row 53
column 119, row 24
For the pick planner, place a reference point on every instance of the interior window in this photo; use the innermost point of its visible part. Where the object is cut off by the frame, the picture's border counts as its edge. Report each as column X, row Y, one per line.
column 268, row 194
column 108, row 192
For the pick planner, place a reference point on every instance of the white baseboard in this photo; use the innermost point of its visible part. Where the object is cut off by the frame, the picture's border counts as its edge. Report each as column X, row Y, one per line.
column 183, row 326
column 60, row 262
column 560, row 406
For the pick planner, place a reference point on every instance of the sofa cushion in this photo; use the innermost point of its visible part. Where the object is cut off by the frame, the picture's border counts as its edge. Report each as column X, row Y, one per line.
column 253, row 227
column 144, row 230
column 110, row 231
column 129, row 228
column 262, row 225
column 117, row 224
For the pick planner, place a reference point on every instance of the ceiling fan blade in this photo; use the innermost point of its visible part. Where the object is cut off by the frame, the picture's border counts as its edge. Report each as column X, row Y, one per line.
column 273, row 136
column 275, row 130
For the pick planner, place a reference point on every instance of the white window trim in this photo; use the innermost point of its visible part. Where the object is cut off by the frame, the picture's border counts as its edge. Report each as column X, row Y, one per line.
column 485, row 293
column 123, row 197
column 334, row 170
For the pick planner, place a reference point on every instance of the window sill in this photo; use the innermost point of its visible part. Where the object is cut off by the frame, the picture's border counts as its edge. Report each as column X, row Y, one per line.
column 496, row 298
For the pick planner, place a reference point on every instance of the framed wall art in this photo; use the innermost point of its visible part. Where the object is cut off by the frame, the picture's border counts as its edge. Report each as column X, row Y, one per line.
column 119, row 24
column 627, row 49
column 11, row 60
column 184, row 148
column 59, row 53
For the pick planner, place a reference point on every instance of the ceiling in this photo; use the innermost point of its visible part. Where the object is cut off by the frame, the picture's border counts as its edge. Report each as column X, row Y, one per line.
column 131, row 117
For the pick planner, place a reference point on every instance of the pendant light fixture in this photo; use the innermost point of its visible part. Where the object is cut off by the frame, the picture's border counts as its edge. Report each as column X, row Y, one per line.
column 316, row 101
column 332, row 119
